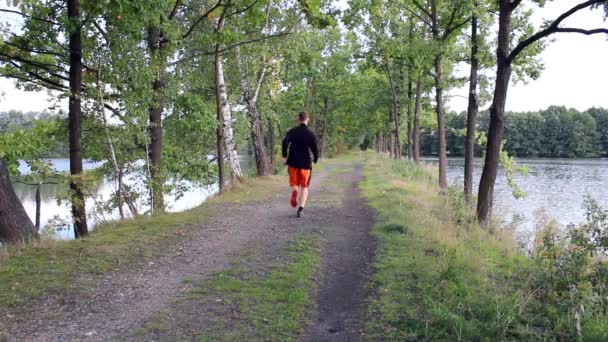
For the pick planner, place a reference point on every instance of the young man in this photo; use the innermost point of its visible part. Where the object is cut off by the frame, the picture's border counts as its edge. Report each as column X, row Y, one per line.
column 300, row 141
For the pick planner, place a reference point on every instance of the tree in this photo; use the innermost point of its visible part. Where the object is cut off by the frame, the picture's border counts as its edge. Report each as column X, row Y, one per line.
column 472, row 110
column 505, row 56
column 34, row 54
column 75, row 119
column 445, row 20
column 601, row 119
column 15, row 225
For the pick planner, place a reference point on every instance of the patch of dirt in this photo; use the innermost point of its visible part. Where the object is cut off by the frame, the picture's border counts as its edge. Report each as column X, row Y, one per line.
column 347, row 269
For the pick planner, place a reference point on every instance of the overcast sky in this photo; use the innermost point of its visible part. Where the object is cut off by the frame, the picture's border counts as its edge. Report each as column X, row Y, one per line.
column 575, row 75
column 576, row 66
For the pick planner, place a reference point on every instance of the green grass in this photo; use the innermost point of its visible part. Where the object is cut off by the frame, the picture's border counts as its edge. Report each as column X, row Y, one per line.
column 436, row 279
column 53, row 267
column 274, row 305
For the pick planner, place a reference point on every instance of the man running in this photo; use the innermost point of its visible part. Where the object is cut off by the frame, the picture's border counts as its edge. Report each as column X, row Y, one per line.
column 301, row 142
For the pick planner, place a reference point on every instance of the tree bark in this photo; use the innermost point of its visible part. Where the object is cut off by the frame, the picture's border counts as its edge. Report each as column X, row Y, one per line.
column 38, row 206
column 271, row 142
column 443, row 179
column 155, row 45
column 321, row 126
column 15, row 225
column 503, row 74
column 417, row 110
column 220, row 152
column 395, row 115
column 119, row 195
column 251, row 102
column 410, row 143
column 472, row 111
column 226, row 117
column 75, row 118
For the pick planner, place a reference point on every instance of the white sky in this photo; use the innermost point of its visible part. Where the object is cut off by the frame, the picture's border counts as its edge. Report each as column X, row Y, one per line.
column 575, row 75
column 576, row 66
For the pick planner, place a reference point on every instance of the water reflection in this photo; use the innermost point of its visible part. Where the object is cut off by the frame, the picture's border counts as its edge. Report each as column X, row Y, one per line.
column 558, row 186
column 59, row 214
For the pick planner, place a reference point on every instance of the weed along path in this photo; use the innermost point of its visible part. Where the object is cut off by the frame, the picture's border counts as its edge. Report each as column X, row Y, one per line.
column 242, row 267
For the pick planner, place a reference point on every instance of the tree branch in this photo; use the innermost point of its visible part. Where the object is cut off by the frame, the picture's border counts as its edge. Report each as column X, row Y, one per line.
column 581, row 31
column 174, row 10
column 40, row 52
column 514, row 4
column 227, row 48
column 28, row 16
column 243, row 10
column 448, row 32
column 424, row 10
column 418, row 16
column 203, row 17
column 47, row 83
column 553, row 28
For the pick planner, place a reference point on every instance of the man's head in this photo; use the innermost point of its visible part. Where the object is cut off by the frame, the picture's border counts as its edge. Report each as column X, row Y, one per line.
column 303, row 117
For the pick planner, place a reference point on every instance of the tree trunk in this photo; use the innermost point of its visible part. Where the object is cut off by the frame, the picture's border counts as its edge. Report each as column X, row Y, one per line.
column 321, row 126
column 118, row 170
column 395, row 115
column 251, row 102
column 156, row 126
column 119, row 194
column 75, row 118
column 226, row 117
column 410, row 143
column 503, row 74
column 38, row 206
column 15, row 225
column 271, row 143
column 220, row 152
column 472, row 110
column 443, row 179
column 417, row 110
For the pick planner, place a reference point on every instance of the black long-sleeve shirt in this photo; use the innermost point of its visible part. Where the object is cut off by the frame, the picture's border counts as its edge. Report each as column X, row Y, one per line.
column 300, row 141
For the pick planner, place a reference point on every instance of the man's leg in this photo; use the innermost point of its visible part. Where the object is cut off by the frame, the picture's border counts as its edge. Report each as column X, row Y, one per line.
column 303, row 196
column 294, row 196
column 293, row 183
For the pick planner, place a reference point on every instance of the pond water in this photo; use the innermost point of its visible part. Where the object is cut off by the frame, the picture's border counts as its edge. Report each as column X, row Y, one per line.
column 559, row 186
column 59, row 214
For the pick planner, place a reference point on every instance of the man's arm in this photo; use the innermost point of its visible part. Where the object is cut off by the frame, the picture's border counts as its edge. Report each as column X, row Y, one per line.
column 286, row 142
column 315, row 149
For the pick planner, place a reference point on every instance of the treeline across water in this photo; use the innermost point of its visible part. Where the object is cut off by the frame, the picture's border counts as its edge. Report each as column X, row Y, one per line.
column 53, row 123
column 557, row 132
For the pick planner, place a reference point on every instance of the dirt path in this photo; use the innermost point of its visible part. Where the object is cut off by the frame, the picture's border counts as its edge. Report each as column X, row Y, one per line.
column 125, row 301
column 346, row 271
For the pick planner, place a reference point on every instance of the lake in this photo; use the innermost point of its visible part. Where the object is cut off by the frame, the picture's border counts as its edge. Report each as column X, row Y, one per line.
column 59, row 213
column 559, row 186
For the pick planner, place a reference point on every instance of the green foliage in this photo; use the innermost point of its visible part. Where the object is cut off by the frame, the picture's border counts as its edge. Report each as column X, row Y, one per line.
column 571, row 274
column 41, row 139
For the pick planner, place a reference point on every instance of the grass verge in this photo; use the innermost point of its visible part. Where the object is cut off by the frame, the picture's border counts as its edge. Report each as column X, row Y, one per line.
column 54, row 267
column 440, row 277
column 273, row 306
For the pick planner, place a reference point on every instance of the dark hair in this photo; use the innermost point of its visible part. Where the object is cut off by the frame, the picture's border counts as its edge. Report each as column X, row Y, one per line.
column 303, row 116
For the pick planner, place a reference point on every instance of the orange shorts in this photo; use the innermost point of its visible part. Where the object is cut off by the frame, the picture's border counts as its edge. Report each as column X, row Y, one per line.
column 298, row 177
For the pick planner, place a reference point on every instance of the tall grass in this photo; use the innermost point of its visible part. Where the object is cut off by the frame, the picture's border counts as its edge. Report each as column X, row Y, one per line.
column 441, row 277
